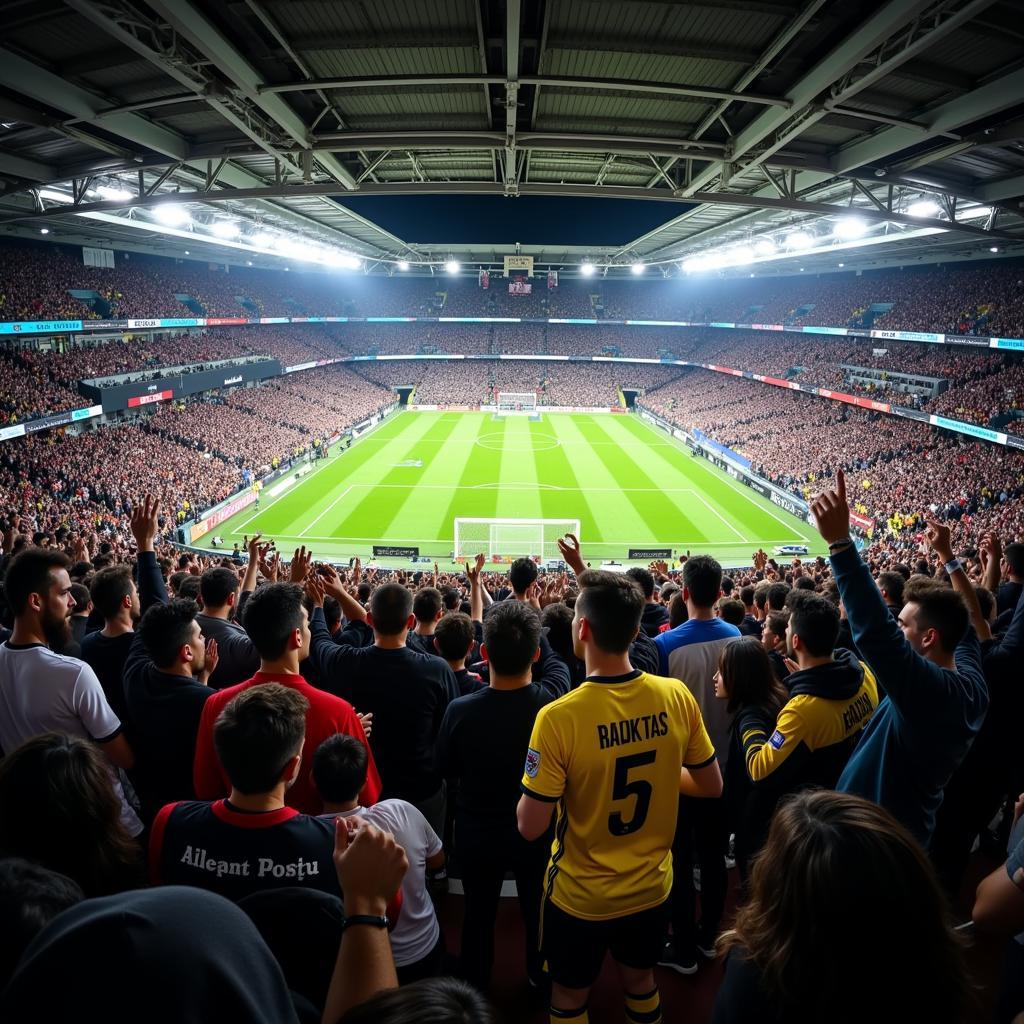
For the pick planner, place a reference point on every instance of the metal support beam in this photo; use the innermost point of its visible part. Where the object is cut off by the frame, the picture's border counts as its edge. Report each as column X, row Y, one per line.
column 870, row 36
column 207, row 38
column 23, row 167
column 1001, row 188
column 626, row 85
column 24, row 78
column 514, row 14
column 560, row 189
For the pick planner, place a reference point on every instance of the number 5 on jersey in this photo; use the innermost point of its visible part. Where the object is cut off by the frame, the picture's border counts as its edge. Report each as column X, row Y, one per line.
column 623, row 788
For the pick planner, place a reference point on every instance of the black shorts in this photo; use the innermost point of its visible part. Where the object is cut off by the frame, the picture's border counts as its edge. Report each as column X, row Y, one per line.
column 575, row 948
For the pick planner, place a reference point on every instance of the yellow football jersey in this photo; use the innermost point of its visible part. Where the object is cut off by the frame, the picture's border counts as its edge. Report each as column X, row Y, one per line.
column 609, row 753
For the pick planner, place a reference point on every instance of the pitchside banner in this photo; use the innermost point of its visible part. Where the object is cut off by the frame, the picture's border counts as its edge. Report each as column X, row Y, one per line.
column 389, row 551
column 217, row 517
column 650, row 554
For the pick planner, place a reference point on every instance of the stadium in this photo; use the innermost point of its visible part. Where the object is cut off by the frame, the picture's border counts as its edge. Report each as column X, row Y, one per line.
column 396, row 395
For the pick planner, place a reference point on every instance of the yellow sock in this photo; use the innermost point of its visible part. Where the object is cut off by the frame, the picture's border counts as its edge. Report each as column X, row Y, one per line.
column 643, row 1009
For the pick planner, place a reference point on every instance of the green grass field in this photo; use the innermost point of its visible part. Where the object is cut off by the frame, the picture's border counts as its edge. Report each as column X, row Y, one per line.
column 628, row 484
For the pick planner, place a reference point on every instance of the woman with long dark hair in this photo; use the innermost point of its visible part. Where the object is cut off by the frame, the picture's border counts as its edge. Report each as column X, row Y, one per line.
column 745, row 679
column 58, row 809
column 818, row 940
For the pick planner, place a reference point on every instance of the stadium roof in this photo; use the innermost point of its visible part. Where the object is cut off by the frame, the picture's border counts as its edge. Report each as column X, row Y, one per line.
column 741, row 119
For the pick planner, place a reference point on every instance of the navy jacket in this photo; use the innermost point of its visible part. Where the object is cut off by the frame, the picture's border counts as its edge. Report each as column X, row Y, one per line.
column 925, row 725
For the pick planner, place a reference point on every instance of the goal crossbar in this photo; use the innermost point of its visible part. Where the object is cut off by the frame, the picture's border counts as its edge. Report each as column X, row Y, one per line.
column 516, row 538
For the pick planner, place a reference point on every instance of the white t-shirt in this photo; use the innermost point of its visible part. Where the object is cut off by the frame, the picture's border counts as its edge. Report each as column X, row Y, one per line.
column 41, row 691
column 417, row 930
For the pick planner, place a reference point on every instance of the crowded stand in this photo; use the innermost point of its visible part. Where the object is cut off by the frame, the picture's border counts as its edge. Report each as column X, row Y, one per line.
column 743, row 777
column 955, row 298
column 795, row 439
column 445, row 382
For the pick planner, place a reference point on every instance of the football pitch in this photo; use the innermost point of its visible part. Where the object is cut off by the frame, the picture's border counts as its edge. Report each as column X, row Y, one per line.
column 628, row 484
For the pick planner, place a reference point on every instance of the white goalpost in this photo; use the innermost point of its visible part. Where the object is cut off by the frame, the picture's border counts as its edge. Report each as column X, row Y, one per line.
column 517, row 403
column 511, row 538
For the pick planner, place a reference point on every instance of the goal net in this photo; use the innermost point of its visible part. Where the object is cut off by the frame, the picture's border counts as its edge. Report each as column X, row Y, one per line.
column 511, row 538
column 517, row 401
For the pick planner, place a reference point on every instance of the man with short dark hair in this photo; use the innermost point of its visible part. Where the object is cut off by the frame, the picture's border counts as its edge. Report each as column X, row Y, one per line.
column 777, row 593
column 339, row 772
column 454, row 640
column 751, row 625
column 929, row 664
column 278, row 624
column 79, row 619
column 42, row 691
column 613, row 755
column 252, row 840
column 522, row 574
column 427, row 608
column 165, row 673
column 238, row 659
column 1012, row 569
column 405, row 691
column 481, row 745
column 116, row 598
column 690, row 653
column 891, row 585
column 655, row 614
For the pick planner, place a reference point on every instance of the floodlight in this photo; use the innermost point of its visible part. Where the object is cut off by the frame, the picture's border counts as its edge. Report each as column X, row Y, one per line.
column 587, row 269
column 849, row 227
column 403, row 265
column 453, row 266
column 799, row 240
column 637, row 268
column 224, row 229
column 923, row 208
column 172, row 214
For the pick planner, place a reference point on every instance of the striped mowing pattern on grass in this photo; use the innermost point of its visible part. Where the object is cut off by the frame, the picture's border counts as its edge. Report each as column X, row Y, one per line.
column 628, row 484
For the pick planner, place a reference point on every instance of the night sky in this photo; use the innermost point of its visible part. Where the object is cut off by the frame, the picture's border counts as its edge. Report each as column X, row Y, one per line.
column 532, row 220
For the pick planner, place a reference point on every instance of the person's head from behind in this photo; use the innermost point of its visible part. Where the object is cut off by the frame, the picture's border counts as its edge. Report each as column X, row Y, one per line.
column 987, row 603
column 339, row 770
column 521, row 574
column 511, row 639
column 276, row 620
column 678, row 613
column 773, row 634
column 607, row 615
column 745, row 677
column 747, row 597
column 83, row 602
column 38, row 590
column 777, row 593
column 218, row 588
column 58, row 808
column 452, row 599
column 259, row 737
column 933, row 619
column 427, row 605
column 437, row 1000
column 114, row 593
column 731, row 610
column 892, row 584
column 644, row 580
column 390, row 612
column 813, row 626
column 332, row 613
column 30, row 897
column 189, row 588
column 454, row 637
column 833, row 866
column 557, row 620
column 1013, row 562
column 702, row 581
column 172, row 637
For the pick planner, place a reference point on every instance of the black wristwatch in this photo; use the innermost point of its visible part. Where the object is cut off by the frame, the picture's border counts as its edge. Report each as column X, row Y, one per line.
column 375, row 920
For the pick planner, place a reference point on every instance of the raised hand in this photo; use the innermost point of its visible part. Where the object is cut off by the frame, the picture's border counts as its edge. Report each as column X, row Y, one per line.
column 831, row 512
column 357, row 570
column 370, row 865
column 330, row 579
column 144, row 522
column 533, row 594
column 314, row 586
column 366, row 721
column 938, row 536
column 210, row 661
column 569, row 546
column 301, row 561
column 270, row 568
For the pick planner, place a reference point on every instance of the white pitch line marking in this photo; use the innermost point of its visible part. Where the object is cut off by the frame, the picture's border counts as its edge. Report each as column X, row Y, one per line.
column 714, row 511
column 326, row 510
